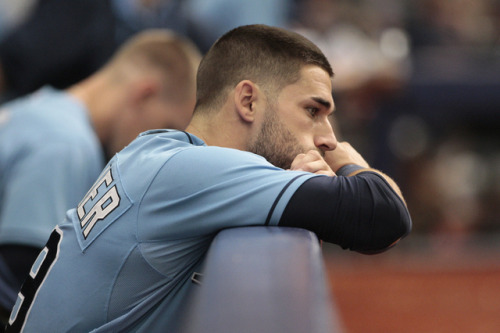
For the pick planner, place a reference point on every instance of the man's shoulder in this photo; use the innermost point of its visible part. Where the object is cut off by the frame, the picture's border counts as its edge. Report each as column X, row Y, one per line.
column 159, row 143
column 181, row 137
column 37, row 98
column 178, row 155
column 47, row 108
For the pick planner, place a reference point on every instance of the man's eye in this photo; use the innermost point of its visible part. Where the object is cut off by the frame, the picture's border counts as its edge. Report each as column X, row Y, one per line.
column 312, row 111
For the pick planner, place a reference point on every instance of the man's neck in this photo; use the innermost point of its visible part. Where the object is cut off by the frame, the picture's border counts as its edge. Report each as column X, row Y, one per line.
column 100, row 108
column 215, row 132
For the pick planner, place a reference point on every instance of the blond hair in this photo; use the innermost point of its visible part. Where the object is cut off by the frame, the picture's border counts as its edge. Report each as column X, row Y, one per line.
column 174, row 57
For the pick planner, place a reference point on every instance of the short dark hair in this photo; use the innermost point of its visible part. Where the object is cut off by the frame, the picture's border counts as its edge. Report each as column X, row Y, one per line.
column 269, row 56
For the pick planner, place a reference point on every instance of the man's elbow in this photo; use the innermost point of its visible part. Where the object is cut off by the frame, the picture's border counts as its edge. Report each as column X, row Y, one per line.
column 387, row 231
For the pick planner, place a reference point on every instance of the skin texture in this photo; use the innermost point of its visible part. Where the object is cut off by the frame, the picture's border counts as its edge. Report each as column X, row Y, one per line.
column 296, row 131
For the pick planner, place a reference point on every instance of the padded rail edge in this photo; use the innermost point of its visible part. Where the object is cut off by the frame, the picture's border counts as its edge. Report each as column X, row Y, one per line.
column 263, row 279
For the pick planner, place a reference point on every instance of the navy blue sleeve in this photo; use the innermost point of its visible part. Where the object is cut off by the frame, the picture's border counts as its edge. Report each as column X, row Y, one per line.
column 360, row 213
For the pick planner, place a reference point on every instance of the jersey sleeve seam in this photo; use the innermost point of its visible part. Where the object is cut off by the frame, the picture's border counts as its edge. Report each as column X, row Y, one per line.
column 278, row 198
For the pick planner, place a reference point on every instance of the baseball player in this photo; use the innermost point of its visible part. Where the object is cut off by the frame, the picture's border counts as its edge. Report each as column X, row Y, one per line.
column 260, row 151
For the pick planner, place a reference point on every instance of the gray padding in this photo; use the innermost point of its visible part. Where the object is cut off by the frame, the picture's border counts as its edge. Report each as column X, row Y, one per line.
column 263, row 279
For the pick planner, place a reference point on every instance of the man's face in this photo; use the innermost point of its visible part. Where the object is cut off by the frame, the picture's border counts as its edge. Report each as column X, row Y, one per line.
column 298, row 121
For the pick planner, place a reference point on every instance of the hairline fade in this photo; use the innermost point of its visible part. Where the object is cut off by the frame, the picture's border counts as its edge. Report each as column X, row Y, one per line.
column 268, row 56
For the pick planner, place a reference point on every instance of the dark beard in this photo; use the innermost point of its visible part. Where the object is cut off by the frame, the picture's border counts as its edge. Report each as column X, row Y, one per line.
column 276, row 143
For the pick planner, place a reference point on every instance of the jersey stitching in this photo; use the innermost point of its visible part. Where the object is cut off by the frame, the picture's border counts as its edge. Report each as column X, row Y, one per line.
column 141, row 198
column 139, row 206
column 114, row 281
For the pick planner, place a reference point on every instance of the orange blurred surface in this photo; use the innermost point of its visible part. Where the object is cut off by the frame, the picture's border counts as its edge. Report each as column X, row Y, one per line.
column 407, row 291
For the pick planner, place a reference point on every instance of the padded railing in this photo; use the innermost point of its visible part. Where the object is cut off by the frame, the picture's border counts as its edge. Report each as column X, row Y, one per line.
column 263, row 279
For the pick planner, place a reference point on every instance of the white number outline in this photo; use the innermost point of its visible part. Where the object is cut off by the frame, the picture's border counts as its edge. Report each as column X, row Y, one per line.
column 32, row 284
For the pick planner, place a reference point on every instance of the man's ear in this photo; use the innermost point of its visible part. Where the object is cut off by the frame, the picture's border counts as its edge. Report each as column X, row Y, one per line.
column 245, row 96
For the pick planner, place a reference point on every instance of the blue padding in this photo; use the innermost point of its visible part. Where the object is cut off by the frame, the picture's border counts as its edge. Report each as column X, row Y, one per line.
column 263, row 279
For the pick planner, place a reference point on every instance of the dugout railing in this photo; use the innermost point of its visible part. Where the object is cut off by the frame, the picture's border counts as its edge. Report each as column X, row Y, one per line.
column 263, row 279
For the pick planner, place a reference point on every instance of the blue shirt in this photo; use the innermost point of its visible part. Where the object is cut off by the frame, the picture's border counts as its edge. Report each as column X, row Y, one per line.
column 49, row 157
column 123, row 259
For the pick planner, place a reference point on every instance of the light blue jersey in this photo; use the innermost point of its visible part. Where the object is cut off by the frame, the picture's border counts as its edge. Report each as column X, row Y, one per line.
column 122, row 261
column 49, row 157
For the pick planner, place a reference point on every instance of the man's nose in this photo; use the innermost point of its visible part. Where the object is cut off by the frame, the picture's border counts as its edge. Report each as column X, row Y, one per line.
column 325, row 138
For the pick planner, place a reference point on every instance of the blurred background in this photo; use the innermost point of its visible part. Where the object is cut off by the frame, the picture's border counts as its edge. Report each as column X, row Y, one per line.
column 417, row 92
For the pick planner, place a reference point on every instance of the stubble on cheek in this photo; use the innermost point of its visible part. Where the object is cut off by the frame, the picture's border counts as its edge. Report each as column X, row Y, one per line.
column 276, row 143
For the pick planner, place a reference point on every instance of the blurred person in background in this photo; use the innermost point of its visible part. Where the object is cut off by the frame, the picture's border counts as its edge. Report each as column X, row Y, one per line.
column 54, row 143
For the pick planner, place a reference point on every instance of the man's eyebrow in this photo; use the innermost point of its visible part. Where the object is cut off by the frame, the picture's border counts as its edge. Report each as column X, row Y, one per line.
column 322, row 101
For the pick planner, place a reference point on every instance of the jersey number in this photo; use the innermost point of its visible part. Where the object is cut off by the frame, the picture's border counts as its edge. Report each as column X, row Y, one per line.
column 42, row 266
